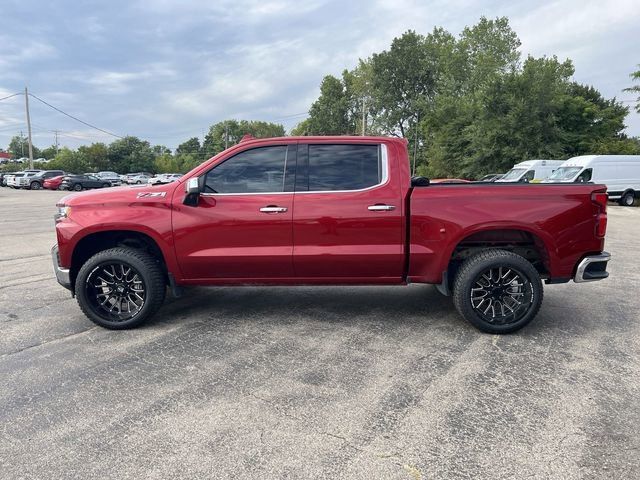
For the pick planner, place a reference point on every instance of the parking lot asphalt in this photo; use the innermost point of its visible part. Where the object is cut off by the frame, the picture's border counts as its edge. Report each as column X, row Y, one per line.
column 314, row 382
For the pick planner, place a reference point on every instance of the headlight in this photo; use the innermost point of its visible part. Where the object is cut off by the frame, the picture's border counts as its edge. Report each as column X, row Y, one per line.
column 63, row 212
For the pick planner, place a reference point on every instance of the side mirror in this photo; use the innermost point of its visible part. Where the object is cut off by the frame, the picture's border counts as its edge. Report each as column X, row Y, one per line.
column 192, row 190
column 192, row 186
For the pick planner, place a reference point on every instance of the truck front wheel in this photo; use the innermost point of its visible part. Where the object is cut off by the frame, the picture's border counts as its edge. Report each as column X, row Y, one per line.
column 120, row 288
column 497, row 291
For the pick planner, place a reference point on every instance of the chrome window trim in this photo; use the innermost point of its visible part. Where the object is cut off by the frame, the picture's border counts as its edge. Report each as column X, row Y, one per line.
column 384, row 181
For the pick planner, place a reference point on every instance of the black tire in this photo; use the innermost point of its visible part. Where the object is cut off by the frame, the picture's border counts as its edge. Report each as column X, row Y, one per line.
column 136, row 264
column 105, row 185
column 138, row 182
column 35, row 186
column 522, row 300
column 627, row 199
column 77, row 187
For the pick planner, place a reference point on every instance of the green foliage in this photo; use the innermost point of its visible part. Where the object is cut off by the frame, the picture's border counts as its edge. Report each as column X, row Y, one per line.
column 19, row 147
column 96, row 156
column 190, row 146
column 69, row 161
column 468, row 105
column 301, row 129
column 636, row 88
column 229, row 132
column 329, row 115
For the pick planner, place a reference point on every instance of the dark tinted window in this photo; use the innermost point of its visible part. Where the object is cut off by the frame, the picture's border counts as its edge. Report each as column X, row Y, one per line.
column 585, row 176
column 251, row 171
column 344, row 167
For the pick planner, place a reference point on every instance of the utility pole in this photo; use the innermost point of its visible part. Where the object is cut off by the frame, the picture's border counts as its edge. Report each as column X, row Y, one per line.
column 226, row 135
column 56, row 134
column 26, row 102
column 364, row 118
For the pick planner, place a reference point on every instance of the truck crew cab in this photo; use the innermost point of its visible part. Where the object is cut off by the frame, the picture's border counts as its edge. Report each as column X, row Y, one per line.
column 325, row 211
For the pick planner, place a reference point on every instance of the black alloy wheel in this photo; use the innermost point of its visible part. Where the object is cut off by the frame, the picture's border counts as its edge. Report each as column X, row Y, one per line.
column 120, row 288
column 497, row 291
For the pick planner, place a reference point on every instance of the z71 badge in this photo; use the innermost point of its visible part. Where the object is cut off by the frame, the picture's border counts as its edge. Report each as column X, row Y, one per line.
column 151, row 194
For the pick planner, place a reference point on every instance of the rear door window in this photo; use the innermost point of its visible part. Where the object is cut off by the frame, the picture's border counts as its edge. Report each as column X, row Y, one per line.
column 343, row 167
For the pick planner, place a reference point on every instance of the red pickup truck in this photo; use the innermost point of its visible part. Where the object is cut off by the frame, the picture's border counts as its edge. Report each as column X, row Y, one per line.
column 328, row 211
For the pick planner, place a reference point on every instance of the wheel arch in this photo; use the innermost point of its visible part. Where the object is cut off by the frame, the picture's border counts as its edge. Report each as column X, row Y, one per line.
column 95, row 242
column 531, row 244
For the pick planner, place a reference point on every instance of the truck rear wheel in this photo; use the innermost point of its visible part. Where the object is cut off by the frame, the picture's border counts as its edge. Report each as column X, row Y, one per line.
column 120, row 288
column 497, row 291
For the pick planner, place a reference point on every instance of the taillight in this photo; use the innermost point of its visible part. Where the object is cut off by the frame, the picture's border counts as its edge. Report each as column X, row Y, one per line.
column 600, row 199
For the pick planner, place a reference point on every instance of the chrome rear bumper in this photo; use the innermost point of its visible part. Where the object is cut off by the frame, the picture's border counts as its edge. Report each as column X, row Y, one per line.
column 592, row 268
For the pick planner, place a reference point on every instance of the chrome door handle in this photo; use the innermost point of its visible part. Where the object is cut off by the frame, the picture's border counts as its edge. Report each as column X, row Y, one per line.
column 381, row 208
column 273, row 209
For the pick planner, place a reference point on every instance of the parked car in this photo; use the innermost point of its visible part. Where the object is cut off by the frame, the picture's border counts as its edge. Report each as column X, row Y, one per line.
column 26, row 179
column 53, row 183
column 8, row 176
column 491, row 177
column 36, row 182
column 234, row 221
column 138, row 178
column 3, row 177
column 82, row 182
column 531, row 171
column 111, row 177
column 620, row 173
column 13, row 180
column 164, row 178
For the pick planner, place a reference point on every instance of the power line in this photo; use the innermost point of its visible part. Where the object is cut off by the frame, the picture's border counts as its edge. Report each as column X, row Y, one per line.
column 12, row 95
column 75, row 118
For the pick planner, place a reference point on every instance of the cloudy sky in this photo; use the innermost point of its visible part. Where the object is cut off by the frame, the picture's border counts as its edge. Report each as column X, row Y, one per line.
column 165, row 70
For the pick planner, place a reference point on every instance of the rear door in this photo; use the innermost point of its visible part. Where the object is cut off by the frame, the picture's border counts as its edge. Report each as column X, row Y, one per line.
column 241, row 227
column 347, row 220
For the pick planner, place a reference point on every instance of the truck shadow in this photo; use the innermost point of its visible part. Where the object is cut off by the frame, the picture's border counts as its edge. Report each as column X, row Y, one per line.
column 400, row 305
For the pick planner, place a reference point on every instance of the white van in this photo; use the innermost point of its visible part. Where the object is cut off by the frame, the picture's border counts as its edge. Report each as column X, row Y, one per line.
column 620, row 173
column 531, row 171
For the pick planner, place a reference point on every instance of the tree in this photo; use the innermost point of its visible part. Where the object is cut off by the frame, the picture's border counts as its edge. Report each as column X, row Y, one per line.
column 19, row 147
column 69, row 161
column 130, row 154
column 49, row 152
column 403, row 82
column 96, row 156
column 190, row 146
column 301, row 129
column 329, row 115
column 229, row 132
column 636, row 88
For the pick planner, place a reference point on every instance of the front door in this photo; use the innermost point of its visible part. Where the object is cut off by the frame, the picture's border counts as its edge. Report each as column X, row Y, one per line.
column 241, row 227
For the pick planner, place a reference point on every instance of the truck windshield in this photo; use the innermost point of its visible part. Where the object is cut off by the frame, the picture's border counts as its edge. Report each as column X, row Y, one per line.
column 513, row 174
column 565, row 173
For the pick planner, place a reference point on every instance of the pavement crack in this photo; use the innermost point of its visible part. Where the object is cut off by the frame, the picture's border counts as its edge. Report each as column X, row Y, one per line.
column 53, row 340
